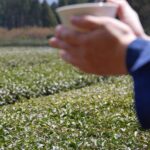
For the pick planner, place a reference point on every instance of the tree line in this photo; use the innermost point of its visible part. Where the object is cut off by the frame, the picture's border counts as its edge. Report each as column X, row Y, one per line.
column 69, row 2
column 18, row 13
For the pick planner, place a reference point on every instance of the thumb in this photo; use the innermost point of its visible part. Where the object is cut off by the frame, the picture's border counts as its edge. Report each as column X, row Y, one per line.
column 129, row 16
column 123, row 8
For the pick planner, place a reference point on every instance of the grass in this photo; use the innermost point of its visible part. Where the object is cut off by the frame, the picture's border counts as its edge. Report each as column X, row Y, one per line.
column 96, row 115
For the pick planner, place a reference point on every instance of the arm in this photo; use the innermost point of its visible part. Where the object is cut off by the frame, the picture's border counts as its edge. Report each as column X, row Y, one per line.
column 138, row 64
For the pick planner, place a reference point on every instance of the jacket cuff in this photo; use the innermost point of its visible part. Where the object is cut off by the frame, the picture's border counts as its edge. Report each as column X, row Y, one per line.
column 134, row 52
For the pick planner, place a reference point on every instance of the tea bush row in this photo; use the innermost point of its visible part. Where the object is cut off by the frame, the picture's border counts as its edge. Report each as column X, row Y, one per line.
column 34, row 72
column 93, row 117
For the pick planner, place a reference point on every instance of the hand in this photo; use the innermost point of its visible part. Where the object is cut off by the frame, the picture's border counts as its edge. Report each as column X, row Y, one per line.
column 130, row 17
column 101, row 50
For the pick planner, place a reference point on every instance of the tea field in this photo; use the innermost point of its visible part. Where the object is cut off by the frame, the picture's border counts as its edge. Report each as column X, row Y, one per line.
column 26, row 73
column 49, row 105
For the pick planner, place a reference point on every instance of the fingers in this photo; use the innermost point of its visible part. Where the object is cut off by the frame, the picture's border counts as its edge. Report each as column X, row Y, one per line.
column 68, row 35
column 68, row 57
column 69, row 39
column 76, row 60
column 67, row 52
column 73, row 38
column 87, row 22
column 56, row 43
column 97, row 23
column 92, row 23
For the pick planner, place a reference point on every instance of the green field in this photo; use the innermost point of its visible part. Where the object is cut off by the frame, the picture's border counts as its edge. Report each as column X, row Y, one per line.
column 47, row 104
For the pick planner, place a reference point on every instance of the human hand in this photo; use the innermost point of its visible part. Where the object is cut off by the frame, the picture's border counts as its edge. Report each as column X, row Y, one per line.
column 101, row 50
column 130, row 17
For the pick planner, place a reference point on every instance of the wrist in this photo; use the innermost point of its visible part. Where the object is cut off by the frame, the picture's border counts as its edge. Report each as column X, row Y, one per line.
column 135, row 51
column 125, row 42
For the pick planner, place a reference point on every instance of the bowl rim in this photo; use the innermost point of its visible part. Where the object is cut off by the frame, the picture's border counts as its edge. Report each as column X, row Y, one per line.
column 85, row 5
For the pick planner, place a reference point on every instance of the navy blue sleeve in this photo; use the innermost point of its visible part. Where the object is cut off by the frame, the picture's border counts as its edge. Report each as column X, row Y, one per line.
column 138, row 64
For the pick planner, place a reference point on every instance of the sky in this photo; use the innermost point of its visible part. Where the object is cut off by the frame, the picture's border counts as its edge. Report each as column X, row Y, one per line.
column 51, row 1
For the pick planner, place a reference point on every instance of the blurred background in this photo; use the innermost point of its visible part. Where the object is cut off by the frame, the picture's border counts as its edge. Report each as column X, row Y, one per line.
column 32, row 22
